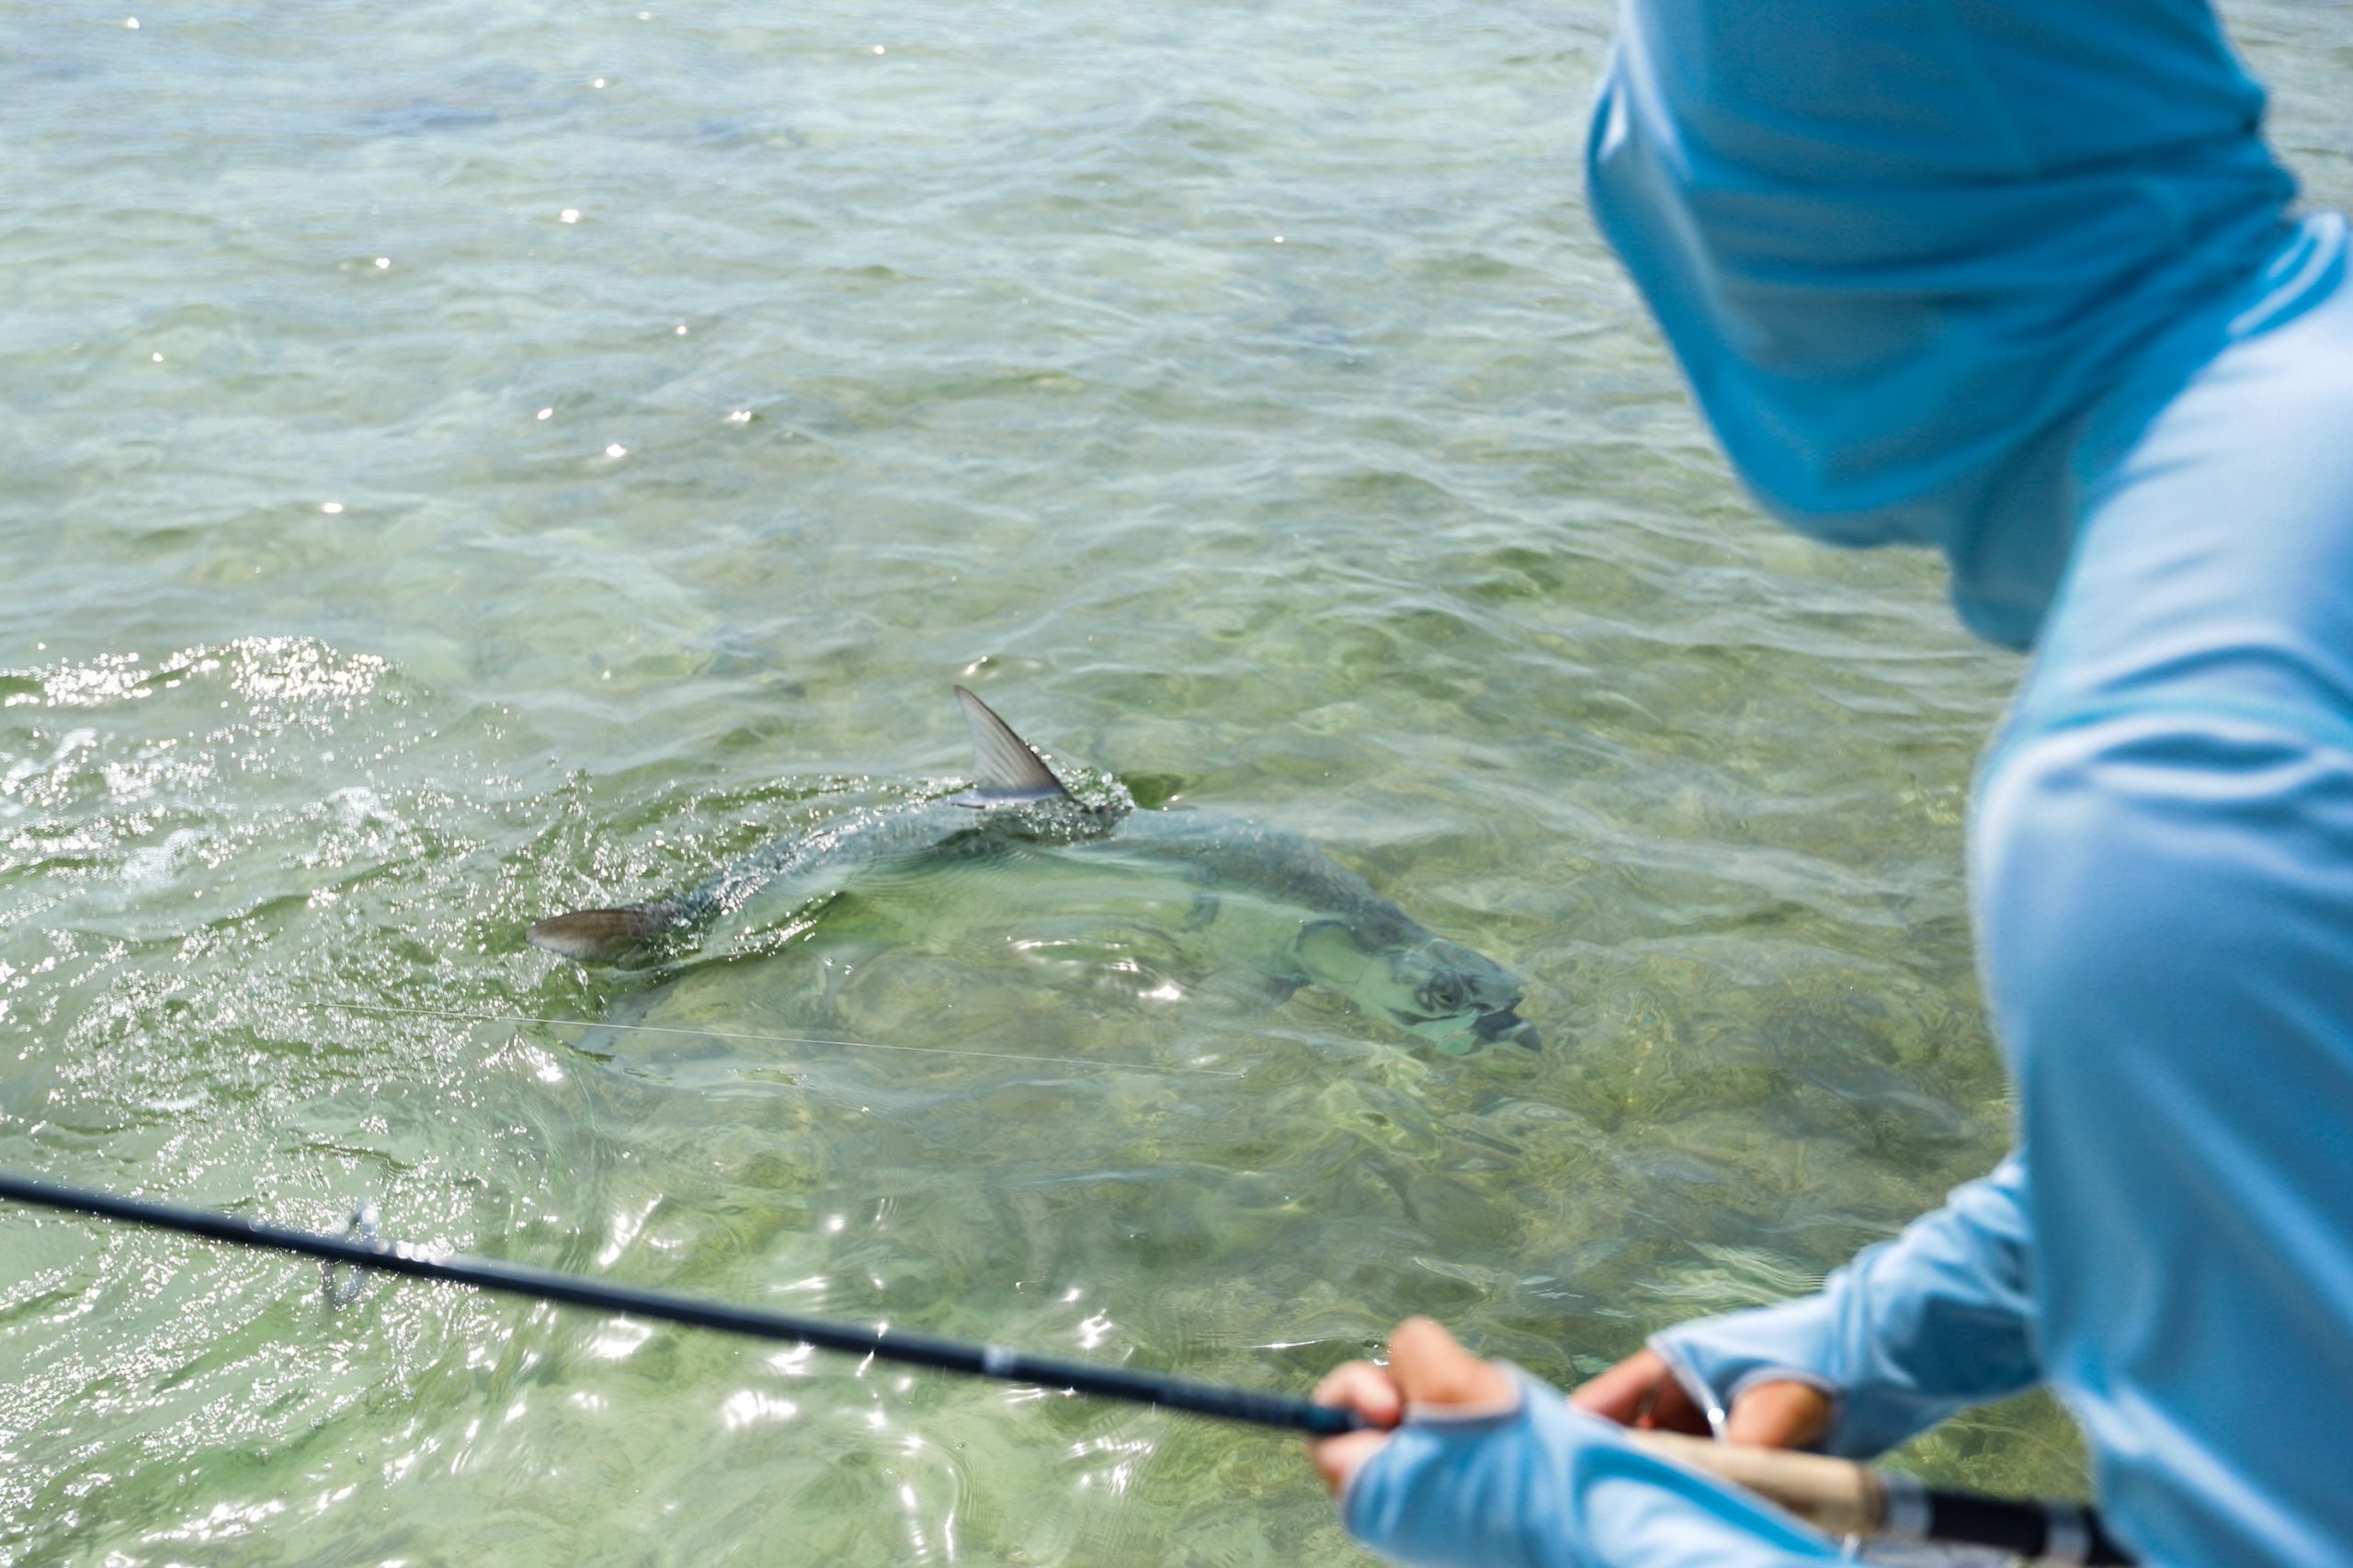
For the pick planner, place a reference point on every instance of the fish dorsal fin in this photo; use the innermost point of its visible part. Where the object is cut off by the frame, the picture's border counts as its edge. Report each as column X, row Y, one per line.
column 1007, row 769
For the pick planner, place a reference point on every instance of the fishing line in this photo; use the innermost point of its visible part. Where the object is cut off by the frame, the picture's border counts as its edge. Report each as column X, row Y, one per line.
column 779, row 1038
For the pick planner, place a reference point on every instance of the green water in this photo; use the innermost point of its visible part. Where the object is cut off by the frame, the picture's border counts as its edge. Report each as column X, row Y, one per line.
column 465, row 462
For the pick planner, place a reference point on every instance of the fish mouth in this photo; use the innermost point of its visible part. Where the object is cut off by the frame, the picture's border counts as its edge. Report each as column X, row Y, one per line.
column 1504, row 1023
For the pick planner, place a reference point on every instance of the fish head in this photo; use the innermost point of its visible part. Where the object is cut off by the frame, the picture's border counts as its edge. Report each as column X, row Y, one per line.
column 1456, row 999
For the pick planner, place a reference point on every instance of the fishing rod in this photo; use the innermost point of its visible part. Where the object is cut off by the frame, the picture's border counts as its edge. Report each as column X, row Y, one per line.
column 881, row 1343
column 1840, row 1497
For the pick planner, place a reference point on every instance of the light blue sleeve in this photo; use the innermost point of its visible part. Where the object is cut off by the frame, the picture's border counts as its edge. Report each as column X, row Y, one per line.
column 1911, row 1332
column 1549, row 1486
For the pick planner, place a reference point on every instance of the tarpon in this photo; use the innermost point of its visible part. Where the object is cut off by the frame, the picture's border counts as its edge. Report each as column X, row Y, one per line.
column 1301, row 918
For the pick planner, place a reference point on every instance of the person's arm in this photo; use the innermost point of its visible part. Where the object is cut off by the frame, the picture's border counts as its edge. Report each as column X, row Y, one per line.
column 1912, row 1331
column 1488, row 1467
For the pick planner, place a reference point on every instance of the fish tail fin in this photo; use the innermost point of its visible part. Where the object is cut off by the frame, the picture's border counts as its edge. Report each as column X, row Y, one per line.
column 1008, row 768
column 604, row 935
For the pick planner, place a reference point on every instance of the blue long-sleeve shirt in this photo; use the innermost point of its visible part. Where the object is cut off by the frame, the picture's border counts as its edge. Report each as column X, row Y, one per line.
column 2017, row 279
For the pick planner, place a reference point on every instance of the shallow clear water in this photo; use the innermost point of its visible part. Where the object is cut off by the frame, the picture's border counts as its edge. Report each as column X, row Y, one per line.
column 467, row 463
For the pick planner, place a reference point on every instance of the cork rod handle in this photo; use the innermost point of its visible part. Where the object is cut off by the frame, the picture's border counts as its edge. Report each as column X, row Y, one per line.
column 1837, row 1496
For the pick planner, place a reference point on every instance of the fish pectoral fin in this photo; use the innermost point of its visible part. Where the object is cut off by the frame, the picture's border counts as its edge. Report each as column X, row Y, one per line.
column 1007, row 769
column 604, row 935
column 1328, row 951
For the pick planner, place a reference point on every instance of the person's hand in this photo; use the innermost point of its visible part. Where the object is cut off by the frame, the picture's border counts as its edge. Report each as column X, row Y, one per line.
column 1427, row 1368
column 1643, row 1393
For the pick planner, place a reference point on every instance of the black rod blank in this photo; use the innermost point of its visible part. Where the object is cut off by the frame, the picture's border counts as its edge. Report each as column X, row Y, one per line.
column 922, row 1350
